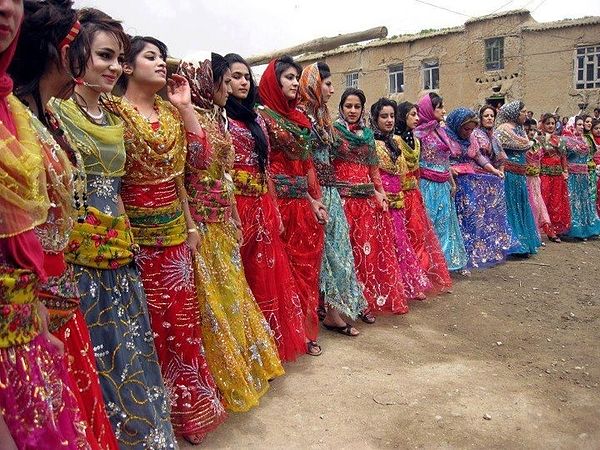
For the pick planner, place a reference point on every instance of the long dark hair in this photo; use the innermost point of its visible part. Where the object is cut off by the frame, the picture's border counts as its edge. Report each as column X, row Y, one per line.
column 45, row 25
column 401, row 112
column 243, row 110
column 136, row 46
column 387, row 138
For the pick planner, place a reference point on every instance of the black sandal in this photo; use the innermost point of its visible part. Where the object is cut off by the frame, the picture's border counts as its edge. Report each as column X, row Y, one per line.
column 367, row 317
column 346, row 329
column 313, row 348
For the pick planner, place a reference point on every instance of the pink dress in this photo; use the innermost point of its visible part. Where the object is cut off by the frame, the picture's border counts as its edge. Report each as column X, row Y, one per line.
column 533, row 159
column 392, row 172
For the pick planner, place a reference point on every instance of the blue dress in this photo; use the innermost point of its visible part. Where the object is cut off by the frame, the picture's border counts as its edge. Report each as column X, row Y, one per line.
column 337, row 278
column 436, row 190
column 481, row 205
column 113, row 300
column 584, row 218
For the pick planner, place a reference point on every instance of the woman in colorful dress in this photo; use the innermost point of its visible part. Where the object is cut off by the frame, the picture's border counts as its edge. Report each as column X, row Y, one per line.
column 366, row 207
column 393, row 169
column 479, row 198
column 553, row 175
column 584, row 218
column 240, row 351
column 596, row 158
column 101, row 247
column 588, row 123
column 533, row 162
column 156, row 204
column 38, row 408
column 266, row 264
column 298, row 196
column 57, row 24
column 515, row 143
column 437, row 184
column 419, row 228
column 337, row 279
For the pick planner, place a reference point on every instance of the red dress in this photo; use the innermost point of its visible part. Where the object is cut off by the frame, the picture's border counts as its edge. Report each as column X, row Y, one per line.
column 154, row 170
column 263, row 253
column 371, row 229
column 418, row 225
column 553, row 183
column 303, row 236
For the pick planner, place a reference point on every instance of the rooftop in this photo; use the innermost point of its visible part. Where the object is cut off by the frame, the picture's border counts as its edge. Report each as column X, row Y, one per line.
column 531, row 25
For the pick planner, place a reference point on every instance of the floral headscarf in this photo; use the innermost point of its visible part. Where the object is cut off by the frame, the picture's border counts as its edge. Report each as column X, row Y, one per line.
column 311, row 100
column 456, row 119
column 201, row 82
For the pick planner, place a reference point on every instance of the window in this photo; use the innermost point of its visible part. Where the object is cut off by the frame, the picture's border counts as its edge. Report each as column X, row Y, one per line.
column 396, row 75
column 431, row 75
column 587, row 68
column 494, row 54
column 352, row 80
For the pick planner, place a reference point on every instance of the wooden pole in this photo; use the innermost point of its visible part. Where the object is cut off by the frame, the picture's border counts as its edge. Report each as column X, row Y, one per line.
column 321, row 44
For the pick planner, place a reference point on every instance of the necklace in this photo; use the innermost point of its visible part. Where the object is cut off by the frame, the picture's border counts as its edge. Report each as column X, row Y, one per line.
column 96, row 118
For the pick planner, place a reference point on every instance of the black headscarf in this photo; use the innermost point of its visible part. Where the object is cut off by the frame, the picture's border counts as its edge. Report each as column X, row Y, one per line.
column 401, row 129
column 243, row 110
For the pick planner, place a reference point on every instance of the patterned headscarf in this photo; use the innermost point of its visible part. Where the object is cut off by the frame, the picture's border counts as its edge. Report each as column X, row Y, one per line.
column 456, row 119
column 201, row 82
column 311, row 99
column 509, row 113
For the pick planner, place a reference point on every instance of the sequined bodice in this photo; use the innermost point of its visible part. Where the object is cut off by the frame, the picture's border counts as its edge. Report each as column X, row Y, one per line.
column 435, row 154
column 103, row 193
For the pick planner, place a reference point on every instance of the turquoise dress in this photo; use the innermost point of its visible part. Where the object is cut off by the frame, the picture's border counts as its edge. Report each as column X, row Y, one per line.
column 337, row 278
column 520, row 217
column 584, row 218
column 436, row 190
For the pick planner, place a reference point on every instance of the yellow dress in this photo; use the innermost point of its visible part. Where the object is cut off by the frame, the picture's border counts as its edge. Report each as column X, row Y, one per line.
column 239, row 345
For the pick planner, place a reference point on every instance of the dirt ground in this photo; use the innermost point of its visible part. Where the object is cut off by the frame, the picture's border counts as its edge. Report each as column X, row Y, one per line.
column 509, row 359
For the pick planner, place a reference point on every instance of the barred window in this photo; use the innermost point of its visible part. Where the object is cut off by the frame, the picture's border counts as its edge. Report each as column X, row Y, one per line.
column 431, row 75
column 587, row 67
column 352, row 80
column 494, row 54
column 396, row 77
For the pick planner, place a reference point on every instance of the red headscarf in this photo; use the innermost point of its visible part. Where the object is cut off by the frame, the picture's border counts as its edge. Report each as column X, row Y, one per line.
column 272, row 97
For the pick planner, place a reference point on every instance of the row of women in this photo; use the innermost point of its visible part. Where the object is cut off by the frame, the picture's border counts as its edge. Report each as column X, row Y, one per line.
column 162, row 256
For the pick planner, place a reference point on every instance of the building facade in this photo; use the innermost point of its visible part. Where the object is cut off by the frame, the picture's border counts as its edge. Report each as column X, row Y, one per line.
column 552, row 66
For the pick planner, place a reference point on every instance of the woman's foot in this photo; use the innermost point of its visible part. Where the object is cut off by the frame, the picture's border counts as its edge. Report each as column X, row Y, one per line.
column 346, row 329
column 554, row 239
column 420, row 296
column 313, row 348
column 194, row 439
column 367, row 317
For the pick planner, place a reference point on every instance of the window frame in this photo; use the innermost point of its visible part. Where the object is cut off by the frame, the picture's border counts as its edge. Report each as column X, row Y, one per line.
column 354, row 77
column 428, row 67
column 493, row 64
column 584, row 52
column 393, row 72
